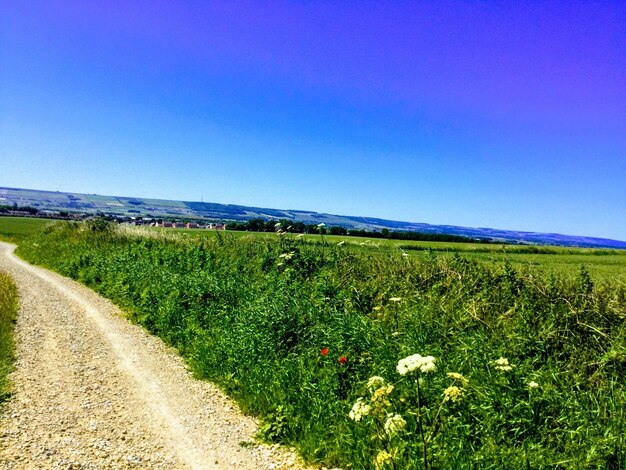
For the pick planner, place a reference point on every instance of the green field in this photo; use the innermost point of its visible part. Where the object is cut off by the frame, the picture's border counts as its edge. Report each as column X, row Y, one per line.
column 15, row 228
column 603, row 264
column 519, row 368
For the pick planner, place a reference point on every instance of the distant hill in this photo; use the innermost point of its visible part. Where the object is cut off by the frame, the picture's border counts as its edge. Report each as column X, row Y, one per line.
column 122, row 206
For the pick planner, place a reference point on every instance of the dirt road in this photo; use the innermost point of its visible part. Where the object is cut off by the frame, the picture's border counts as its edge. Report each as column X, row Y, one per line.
column 94, row 391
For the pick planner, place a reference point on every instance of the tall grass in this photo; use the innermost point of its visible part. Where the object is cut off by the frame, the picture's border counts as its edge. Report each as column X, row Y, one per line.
column 295, row 335
column 8, row 312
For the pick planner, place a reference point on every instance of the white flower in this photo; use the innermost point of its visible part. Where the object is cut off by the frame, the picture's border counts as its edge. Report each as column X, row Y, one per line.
column 428, row 364
column 375, row 382
column 395, row 299
column 341, row 243
column 394, row 424
column 277, row 225
column 359, row 409
column 321, row 225
column 416, row 361
column 533, row 384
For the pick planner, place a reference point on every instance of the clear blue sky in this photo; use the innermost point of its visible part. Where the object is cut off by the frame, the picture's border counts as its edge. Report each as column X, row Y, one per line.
column 488, row 114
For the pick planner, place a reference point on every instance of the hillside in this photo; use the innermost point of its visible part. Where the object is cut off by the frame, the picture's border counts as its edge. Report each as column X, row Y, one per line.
column 124, row 206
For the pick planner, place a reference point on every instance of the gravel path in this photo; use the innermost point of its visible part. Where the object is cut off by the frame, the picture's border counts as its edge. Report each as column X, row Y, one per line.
column 94, row 391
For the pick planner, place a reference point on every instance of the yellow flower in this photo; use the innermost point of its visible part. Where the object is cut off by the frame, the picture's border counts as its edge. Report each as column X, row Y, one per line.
column 382, row 459
column 382, row 392
column 457, row 376
column 453, row 393
column 503, row 364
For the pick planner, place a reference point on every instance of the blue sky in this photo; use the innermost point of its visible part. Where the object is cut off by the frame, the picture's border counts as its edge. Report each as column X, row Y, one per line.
column 486, row 114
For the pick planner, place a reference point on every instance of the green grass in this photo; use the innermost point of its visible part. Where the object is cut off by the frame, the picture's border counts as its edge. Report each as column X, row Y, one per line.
column 601, row 263
column 8, row 312
column 255, row 314
column 16, row 228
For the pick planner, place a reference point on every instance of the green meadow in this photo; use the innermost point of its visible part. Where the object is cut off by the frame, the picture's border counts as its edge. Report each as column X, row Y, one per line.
column 375, row 357
column 601, row 263
column 15, row 228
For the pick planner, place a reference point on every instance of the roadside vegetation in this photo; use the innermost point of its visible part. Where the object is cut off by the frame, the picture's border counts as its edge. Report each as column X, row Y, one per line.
column 376, row 359
column 8, row 312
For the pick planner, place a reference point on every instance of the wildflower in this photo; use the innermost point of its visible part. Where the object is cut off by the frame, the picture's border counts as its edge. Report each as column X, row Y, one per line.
column 321, row 225
column 503, row 364
column 416, row 361
column 394, row 424
column 381, row 393
column 395, row 299
column 341, row 243
column 375, row 382
column 377, row 308
column 359, row 409
column 457, row 376
column 428, row 364
column 324, row 351
column 533, row 384
column 277, row 225
column 342, row 360
column 405, row 255
column 453, row 393
column 382, row 459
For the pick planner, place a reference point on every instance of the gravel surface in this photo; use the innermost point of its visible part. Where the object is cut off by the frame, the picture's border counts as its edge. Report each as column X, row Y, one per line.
column 94, row 391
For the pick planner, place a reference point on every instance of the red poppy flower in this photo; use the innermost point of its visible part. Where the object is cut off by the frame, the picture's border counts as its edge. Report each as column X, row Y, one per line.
column 342, row 359
column 324, row 351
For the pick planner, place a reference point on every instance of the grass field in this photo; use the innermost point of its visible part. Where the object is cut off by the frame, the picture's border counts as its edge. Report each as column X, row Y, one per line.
column 15, row 228
column 365, row 358
column 8, row 312
column 603, row 264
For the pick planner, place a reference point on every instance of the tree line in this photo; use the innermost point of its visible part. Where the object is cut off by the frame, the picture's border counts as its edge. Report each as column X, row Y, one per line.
column 286, row 225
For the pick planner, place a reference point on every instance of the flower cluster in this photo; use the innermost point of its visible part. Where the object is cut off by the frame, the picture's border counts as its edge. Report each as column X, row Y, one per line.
column 453, row 393
column 375, row 382
column 503, row 364
column 359, row 409
column 457, row 376
column 394, row 424
column 382, row 459
column 416, row 361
